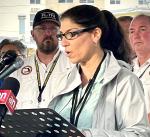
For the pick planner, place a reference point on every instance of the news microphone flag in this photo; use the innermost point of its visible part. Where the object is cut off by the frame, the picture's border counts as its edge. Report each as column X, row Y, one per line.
column 9, row 90
column 8, row 99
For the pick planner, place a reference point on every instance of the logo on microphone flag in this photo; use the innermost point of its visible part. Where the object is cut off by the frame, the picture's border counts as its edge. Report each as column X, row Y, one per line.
column 8, row 98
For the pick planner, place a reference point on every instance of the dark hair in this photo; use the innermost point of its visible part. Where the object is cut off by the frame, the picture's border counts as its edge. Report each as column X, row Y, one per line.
column 4, row 42
column 21, row 47
column 112, row 35
column 117, row 42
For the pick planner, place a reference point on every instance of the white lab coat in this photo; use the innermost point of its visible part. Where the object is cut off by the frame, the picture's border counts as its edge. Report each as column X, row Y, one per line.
column 27, row 76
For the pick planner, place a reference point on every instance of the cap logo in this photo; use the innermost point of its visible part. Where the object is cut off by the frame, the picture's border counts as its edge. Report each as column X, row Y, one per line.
column 48, row 15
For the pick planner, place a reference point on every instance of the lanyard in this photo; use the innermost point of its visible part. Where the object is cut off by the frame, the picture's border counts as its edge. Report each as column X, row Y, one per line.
column 144, row 71
column 74, row 116
column 141, row 75
column 41, row 88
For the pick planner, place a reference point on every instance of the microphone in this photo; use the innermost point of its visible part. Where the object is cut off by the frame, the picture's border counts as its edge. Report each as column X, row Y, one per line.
column 16, row 65
column 8, row 58
column 8, row 91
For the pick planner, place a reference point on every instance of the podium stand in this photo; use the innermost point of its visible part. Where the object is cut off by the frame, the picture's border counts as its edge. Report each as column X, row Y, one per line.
column 37, row 123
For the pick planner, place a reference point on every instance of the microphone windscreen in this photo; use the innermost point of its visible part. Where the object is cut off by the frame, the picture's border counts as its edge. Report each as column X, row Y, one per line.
column 12, row 84
column 11, row 68
column 18, row 63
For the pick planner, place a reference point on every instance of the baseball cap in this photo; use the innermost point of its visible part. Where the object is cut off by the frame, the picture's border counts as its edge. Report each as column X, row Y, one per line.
column 46, row 15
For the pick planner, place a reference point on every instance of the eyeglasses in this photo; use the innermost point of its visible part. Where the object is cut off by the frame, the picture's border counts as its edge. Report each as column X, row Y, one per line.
column 44, row 29
column 74, row 34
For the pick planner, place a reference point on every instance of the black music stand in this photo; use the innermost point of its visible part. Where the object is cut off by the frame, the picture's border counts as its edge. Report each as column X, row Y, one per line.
column 37, row 123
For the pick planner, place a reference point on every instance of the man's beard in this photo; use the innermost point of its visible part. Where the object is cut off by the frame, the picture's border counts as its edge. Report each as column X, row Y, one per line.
column 48, row 46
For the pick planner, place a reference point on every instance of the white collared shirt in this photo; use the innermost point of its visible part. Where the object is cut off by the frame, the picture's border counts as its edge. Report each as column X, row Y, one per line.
column 143, row 72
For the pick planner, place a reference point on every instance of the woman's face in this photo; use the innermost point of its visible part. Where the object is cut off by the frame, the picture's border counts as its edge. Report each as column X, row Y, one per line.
column 80, row 48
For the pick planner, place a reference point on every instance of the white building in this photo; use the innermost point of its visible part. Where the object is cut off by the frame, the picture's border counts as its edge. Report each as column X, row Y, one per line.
column 17, row 15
